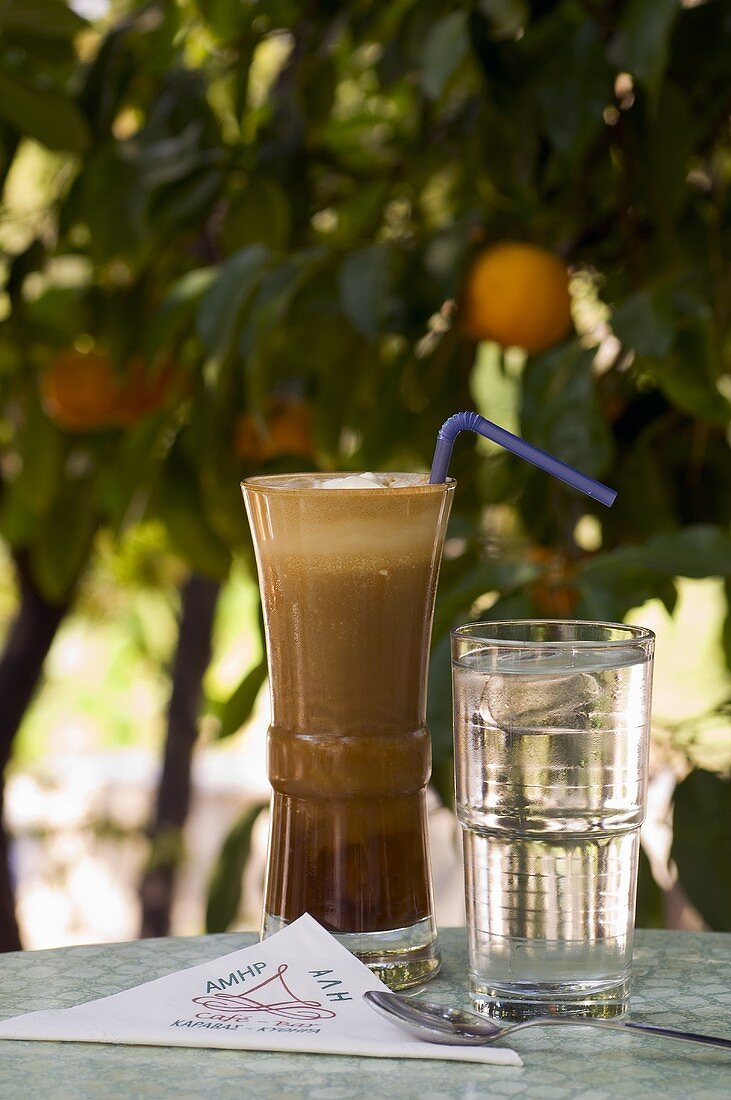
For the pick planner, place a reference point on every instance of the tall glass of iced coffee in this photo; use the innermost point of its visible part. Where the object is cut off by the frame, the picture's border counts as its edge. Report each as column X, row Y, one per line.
column 348, row 570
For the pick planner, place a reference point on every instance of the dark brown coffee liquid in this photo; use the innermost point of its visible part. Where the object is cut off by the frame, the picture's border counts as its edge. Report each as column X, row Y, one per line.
column 348, row 579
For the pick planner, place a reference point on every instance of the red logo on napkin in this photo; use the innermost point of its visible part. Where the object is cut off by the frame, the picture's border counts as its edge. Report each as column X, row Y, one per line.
column 277, row 1000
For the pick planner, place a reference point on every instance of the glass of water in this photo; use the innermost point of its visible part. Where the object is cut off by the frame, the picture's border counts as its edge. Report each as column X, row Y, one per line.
column 551, row 731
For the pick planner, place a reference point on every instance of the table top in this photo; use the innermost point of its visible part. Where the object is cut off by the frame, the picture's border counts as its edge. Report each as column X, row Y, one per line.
column 681, row 979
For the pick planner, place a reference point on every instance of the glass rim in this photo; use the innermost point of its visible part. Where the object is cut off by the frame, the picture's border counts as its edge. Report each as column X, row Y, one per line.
column 266, row 483
column 484, row 632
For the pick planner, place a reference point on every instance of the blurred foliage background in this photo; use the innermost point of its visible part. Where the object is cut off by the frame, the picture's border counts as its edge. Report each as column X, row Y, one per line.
column 236, row 236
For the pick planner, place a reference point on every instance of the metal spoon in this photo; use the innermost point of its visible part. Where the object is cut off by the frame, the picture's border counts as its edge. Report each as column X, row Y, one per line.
column 442, row 1024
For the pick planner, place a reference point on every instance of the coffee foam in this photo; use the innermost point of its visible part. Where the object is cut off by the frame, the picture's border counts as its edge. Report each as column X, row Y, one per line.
column 367, row 480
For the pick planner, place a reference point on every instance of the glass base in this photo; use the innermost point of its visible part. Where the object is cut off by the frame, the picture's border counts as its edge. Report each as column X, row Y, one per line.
column 400, row 957
column 605, row 1000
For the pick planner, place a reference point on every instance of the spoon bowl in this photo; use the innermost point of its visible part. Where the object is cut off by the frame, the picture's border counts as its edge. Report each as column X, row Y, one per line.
column 434, row 1022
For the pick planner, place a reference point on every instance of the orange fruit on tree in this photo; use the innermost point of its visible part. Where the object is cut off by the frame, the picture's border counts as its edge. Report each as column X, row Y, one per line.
column 518, row 295
column 80, row 390
column 554, row 593
column 287, row 431
column 556, row 601
column 143, row 389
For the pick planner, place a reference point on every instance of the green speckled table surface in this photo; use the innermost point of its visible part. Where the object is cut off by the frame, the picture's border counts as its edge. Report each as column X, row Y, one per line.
column 681, row 979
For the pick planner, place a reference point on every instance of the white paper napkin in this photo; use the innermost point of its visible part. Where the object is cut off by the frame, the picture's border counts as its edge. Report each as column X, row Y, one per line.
column 299, row 990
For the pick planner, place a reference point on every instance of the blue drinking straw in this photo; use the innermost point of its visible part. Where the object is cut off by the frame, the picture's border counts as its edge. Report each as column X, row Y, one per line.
column 473, row 422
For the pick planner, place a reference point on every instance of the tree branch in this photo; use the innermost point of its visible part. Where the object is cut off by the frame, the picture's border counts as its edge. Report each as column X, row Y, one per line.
column 28, row 642
column 199, row 598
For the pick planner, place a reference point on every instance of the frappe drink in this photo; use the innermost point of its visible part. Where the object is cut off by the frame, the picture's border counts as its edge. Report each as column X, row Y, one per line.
column 348, row 568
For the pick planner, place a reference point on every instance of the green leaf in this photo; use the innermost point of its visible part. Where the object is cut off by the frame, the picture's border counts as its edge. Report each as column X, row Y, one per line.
column 228, row 18
column 612, row 583
column 662, row 144
column 50, row 116
column 574, row 91
column 321, row 339
column 183, row 201
column 361, row 214
column 445, row 257
column 645, row 322
column 64, row 539
column 560, row 409
column 610, row 603
column 18, row 523
column 687, row 375
column 697, row 551
column 238, row 708
column 514, row 605
column 650, row 910
column 705, row 740
column 701, row 845
column 220, row 474
column 172, row 157
column 454, row 602
column 318, row 85
column 439, row 718
column 259, row 214
column 263, row 337
column 445, row 48
column 41, row 53
column 365, row 288
column 220, row 311
column 182, row 510
column 641, row 45
column 506, row 17
column 642, row 474
column 106, row 80
column 113, row 203
column 57, row 315
column 130, row 468
column 31, row 259
column 41, row 445
column 178, row 308
column 224, row 893
column 40, row 18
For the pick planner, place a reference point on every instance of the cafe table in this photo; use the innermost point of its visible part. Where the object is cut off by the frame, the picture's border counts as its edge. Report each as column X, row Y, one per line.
column 681, row 979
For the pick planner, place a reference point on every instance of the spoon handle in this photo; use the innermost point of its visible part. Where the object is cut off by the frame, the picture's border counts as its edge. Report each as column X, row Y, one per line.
column 684, row 1036
column 625, row 1025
